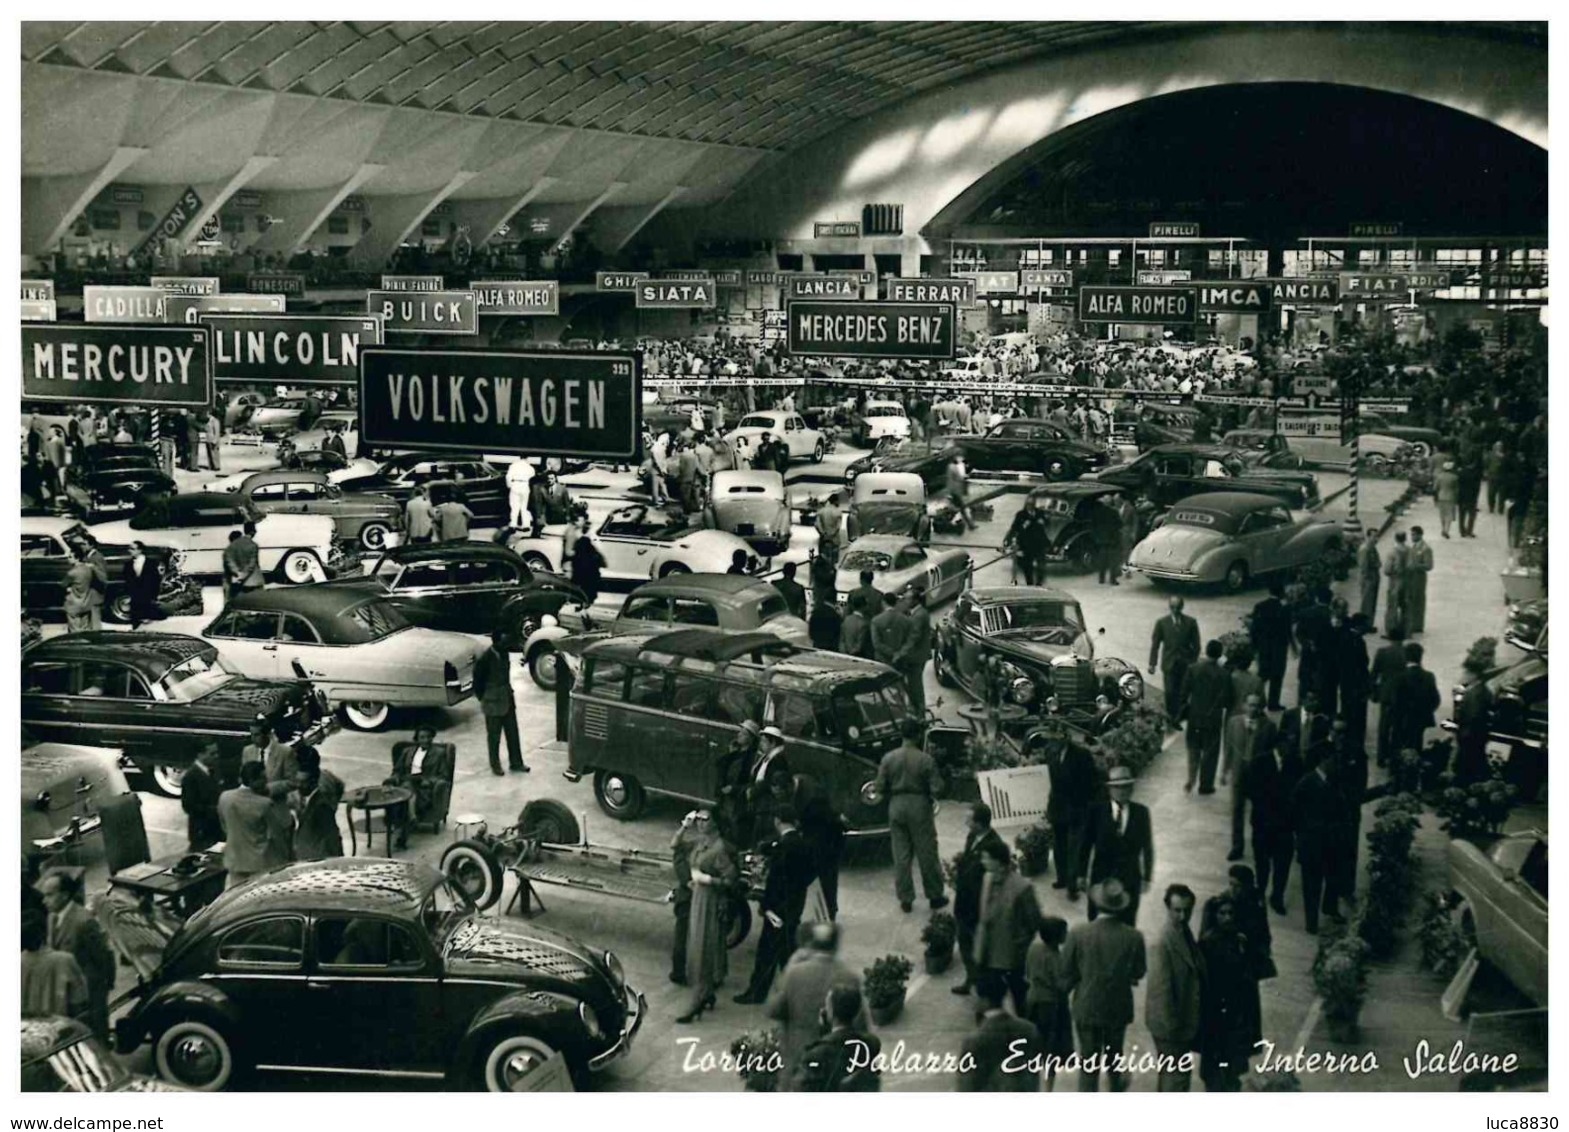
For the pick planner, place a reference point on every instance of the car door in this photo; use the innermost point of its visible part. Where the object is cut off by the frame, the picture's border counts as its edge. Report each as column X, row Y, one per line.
column 45, row 561
column 298, row 642
column 248, row 639
column 374, row 986
column 259, row 967
column 309, row 497
column 48, row 702
column 485, row 585
column 626, row 543
column 967, row 634
column 1174, row 479
column 794, row 436
column 428, row 594
column 270, row 498
column 204, row 534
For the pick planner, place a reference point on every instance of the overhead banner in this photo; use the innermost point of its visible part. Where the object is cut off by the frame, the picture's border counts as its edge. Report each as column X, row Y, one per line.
column 430, row 312
column 141, row 305
column 121, row 365
column 1303, row 292
column 1174, row 229
column 957, row 291
column 830, row 288
column 315, row 349
column 1375, row 229
column 427, row 283
column 832, row 229
column 38, row 289
column 509, row 296
column 181, row 213
column 1394, row 286
column 618, row 280
column 871, row 330
column 185, row 284
column 583, row 404
column 1034, row 278
column 38, row 310
column 667, row 293
column 1158, row 277
column 187, row 309
column 275, row 283
column 1159, row 305
column 996, row 282
column 1250, row 297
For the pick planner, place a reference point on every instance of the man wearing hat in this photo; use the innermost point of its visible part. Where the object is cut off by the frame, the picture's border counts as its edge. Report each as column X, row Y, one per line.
column 909, row 779
column 1119, row 844
column 1102, row 962
column 735, row 773
column 770, row 783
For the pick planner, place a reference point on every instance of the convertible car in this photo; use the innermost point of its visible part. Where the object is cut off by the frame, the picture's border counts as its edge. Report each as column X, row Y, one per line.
column 1501, row 905
column 898, row 561
column 1170, row 472
column 373, row 521
column 46, row 557
column 751, row 505
column 159, row 697
column 888, row 503
column 1232, row 537
column 376, row 967
column 641, row 542
column 1028, row 645
column 356, row 649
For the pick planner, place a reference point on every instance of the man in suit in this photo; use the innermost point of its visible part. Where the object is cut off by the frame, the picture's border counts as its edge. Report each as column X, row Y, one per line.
column 73, row 930
column 733, row 814
column 1395, row 569
column 1313, row 813
column 1346, row 647
column 968, row 878
column 1007, row 921
column 1419, row 564
column 1268, row 780
column 1311, row 622
column 792, row 591
column 771, row 784
column 782, row 902
column 425, row 767
column 1206, row 697
column 909, row 779
column 1304, row 730
column 1369, row 565
column 258, row 829
column 1175, row 990
column 277, row 758
column 871, row 596
column 796, row 1001
column 1102, row 962
column 844, row 1060
column 891, row 631
column 142, row 580
column 1388, row 663
column 996, row 1056
column 1248, row 736
column 1174, row 645
column 242, row 562
column 199, row 791
column 1120, row 845
column 918, row 646
column 493, row 687
column 1413, row 700
column 318, row 794
column 1073, row 789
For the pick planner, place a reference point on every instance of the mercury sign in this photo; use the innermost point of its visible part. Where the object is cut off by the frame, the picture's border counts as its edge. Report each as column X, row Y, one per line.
column 959, row 291
column 121, row 365
column 125, row 304
column 618, row 280
column 185, row 285
column 671, row 293
column 531, row 404
column 1137, row 304
column 411, row 283
column 871, row 330
column 499, row 296
column 318, row 349
column 1246, row 298
column 434, row 312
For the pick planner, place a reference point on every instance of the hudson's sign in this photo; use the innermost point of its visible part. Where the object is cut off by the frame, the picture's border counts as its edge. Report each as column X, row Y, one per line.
column 181, row 213
column 295, row 349
column 427, row 312
column 577, row 404
column 1137, row 304
column 124, row 365
column 871, row 330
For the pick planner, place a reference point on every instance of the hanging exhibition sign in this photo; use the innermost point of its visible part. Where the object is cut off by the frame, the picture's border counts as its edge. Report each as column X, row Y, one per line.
column 1303, row 292
column 507, row 296
column 38, row 310
column 38, row 289
column 119, row 365
column 185, row 284
column 180, row 213
column 958, row 291
column 188, row 309
column 427, row 312
column 1245, row 297
column 618, row 280
column 871, row 330
column 275, row 283
column 826, row 287
column 1137, row 304
column 1174, row 229
column 664, row 293
column 125, row 304
column 315, row 349
column 412, row 283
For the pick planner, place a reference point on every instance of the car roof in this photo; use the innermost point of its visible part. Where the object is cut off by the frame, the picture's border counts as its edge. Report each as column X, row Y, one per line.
column 283, row 475
column 1077, row 489
column 340, row 884
column 447, row 552
column 313, row 602
column 747, row 475
column 1229, row 502
column 1216, row 451
column 1011, row 595
column 727, row 584
column 719, row 645
column 881, row 542
column 151, row 653
column 48, row 524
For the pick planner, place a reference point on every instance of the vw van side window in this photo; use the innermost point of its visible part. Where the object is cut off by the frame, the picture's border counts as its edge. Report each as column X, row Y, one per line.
column 739, row 702
column 647, row 688
column 691, row 694
column 605, row 679
column 796, row 716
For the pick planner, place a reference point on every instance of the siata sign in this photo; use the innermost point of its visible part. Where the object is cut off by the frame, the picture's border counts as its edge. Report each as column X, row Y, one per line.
column 38, row 310
column 958, row 291
column 425, row 312
column 661, row 294
column 506, row 296
column 275, row 283
column 618, row 280
column 125, row 304
column 38, row 289
column 316, row 349
column 181, row 213
column 1034, row 278
column 527, row 403
column 871, row 330
column 1158, row 305
column 1303, row 292
column 832, row 229
column 1174, row 229
column 426, row 283
column 828, row 287
column 185, row 284
column 187, row 309
column 1246, row 297
column 121, row 365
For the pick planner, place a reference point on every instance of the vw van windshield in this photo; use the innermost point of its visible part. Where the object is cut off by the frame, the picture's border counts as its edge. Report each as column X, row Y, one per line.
column 870, row 712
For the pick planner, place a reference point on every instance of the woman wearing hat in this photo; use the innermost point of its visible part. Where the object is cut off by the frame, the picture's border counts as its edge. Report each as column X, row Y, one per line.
column 714, row 875
column 771, row 783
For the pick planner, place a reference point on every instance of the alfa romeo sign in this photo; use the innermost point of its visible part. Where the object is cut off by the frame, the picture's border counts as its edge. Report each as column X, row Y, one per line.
column 1160, row 305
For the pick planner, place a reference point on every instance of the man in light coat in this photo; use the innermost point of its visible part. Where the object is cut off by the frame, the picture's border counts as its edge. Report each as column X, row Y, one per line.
column 1369, row 563
column 797, row 998
column 1419, row 564
column 1102, row 962
column 1175, row 991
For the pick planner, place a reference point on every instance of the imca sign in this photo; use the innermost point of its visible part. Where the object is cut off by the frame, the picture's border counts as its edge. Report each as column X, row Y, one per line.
column 117, row 365
column 431, row 312
column 871, row 330
column 318, row 349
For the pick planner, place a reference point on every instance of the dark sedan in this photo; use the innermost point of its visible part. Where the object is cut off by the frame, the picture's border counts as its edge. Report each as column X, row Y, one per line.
column 483, row 487
column 1169, row 472
column 906, row 456
column 375, row 967
column 47, row 543
column 1037, row 446
column 108, row 481
column 158, row 697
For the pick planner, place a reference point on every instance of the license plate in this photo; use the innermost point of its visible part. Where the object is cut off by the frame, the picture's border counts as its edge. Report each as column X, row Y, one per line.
column 745, row 529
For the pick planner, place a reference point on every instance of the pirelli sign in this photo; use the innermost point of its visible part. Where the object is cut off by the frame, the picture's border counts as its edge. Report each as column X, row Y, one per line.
column 116, row 365
column 871, row 330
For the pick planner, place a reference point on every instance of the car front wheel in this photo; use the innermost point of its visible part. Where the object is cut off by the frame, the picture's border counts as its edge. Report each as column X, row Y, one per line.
column 1236, row 576
column 510, row 1060
column 538, row 562
column 194, row 1055
column 619, row 795
column 818, row 452
column 366, row 715
column 118, row 609
column 542, row 668
column 472, row 869
column 300, row 566
column 168, row 780
column 373, row 536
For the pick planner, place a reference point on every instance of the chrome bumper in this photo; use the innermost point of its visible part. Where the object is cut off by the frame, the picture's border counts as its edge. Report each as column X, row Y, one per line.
column 636, row 1010
column 1173, row 575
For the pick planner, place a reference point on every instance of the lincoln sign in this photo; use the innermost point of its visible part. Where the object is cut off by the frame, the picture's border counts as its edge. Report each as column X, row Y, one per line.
column 871, row 330
column 316, row 349
column 548, row 404
column 1137, row 304
column 117, row 365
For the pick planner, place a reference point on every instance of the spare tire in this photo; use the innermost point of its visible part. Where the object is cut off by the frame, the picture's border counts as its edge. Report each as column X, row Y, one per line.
column 472, row 868
column 550, row 821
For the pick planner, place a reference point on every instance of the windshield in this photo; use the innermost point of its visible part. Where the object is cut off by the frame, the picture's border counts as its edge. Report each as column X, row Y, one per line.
column 378, row 619
column 758, row 422
column 873, row 560
column 771, row 607
column 85, row 1066
column 194, row 677
column 870, row 713
column 884, row 411
column 443, row 910
column 1038, row 615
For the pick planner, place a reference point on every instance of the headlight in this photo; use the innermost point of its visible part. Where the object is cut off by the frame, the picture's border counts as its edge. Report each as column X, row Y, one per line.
column 42, row 801
column 1021, row 690
column 1130, row 686
column 590, row 1020
column 617, row 974
column 548, row 621
column 870, row 794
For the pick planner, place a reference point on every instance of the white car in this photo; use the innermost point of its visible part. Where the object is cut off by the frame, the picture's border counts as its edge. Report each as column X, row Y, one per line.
column 880, row 419
column 641, row 542
column 804, row 443
column 293, row 548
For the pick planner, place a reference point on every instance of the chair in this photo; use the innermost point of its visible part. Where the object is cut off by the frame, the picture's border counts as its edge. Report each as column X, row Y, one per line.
column 124, row 832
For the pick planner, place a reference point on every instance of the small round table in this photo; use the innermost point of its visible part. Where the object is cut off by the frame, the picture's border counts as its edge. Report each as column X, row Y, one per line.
column 371, row 799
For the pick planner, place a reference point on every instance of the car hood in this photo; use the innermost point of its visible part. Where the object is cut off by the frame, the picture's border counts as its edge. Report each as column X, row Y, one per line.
column 1024, row 647
column 249, row 696
column 887, row 518
column 1175, row 544
column 759, row 512
column 1510, row 679
column 487, row 948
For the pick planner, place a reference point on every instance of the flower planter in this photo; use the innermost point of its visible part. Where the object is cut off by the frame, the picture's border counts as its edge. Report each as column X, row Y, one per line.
column 1525, row 586
column 1343, row 1029
column 938, row 961
column 884, row 1014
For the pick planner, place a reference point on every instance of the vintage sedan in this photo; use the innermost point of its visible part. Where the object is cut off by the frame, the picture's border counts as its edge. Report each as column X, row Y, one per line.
column 380, row 968
column 877, row 420
column 277, row 417
column 641, row 542
column 159, row 697
column 1071, row 511
column 1232, row 537
column 1169, row 472
column 63, row 786
column 1500, row 895
column 373, row 521
column 108, row 480
column 888, row 503
column 905, row 456
column 804, row 443
column 1262, row 448
column 1030, row 646
column 898, row 562
column 46, row 557
column 292, row 548
column 62, row 1055
column 1040, row 446
column 751, row 505
column 1518, row 721
column 483, row 487
column 355, row 648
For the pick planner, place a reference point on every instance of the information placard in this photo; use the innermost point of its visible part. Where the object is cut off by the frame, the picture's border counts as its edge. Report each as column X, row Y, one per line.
column 426, row 283
column 662, row 294
column 427, row 312
column 314, row 349
column 186, row 284
column 871, row 330
column 117, row 365
column 960, row 292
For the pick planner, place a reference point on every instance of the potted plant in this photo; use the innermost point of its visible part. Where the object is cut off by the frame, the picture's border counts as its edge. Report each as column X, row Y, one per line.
column 1034, row 848
column 759, row 1060
column 1134, row 742
column 883, row 984
column 1340, row 978
column 1476, row 812
column 939, row 935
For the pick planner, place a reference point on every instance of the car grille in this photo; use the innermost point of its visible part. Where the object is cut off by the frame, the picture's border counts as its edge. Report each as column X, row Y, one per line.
column 1073, row 683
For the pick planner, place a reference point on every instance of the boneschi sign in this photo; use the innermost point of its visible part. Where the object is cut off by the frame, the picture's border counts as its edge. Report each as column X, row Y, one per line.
column 1137, row 304
column 118, row 365
column 871, row 330
column 318, row 349
column 527, row 403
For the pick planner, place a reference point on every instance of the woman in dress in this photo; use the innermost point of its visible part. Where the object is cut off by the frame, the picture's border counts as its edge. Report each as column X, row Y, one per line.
column 1230, row 1028
column 714, row 874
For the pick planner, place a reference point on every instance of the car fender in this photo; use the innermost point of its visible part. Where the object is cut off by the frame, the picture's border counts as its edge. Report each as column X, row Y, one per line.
column 542, row 637
column 185, row 998
column 546, row 1014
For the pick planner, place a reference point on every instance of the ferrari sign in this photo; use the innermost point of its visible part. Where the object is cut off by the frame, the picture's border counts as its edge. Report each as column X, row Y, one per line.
column 871, row 330
column 958, row 291
column 1137, row 304
column 531, row 404
column 118, row 365
column 427, row 312
column 315, row 349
